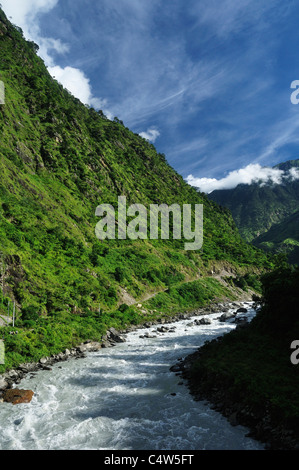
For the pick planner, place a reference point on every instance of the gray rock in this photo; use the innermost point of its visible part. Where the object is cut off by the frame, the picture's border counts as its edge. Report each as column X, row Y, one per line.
column 43, row 360
column 240, row 320
column 3, row 383
column 115, row 336
column 226, row 316
column 203, row 321
column 12, row 374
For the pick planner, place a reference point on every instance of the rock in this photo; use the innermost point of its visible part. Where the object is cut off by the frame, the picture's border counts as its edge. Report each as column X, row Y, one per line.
column 25, row 368
column 162, row 329
column 242, row 310
column 203, row 321
column 43, row 360
column 16, row 396
column 241, row 320
column 176, row 368
column 148, row 335
column 92, row 346
column 226, row 316
column 12, row 374
column 114, row 334
column 3, row 383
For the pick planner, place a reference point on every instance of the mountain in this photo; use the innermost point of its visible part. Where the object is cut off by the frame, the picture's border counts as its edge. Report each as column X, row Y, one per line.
column 60, row 160
column 256, row 208
column 282, row 238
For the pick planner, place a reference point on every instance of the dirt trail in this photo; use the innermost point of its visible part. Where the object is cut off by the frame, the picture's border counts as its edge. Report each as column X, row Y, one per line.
column 129, row 300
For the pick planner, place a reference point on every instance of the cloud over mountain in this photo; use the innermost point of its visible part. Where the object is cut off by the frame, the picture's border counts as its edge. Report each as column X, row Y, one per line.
column 253, row 173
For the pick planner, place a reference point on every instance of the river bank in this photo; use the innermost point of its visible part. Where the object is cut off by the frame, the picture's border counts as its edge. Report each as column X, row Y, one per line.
column 234, row 401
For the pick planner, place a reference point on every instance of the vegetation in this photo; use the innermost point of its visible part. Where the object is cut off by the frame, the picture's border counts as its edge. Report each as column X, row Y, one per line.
column 35, row 337
column 252, row 365
column 282, row 238
column 59, row 160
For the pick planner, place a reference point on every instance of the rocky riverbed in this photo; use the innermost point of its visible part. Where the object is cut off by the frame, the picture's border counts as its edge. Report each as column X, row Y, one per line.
column 124, row 397
column 11, row 378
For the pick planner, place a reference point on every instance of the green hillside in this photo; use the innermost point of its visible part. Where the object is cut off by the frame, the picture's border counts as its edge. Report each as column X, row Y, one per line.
column 59, row 160
column 282, row 238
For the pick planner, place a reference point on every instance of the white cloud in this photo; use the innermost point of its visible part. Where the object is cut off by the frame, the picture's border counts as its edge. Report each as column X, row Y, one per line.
column 24, row 13
column 151, row 134
column 294, row 174
column 253, row 173
column 74, row 80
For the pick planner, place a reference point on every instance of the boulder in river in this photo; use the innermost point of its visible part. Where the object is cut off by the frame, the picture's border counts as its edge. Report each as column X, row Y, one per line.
column 115, row 336
column 203, row 321
column 16, row 396
column 226, row 316
column 242, row 310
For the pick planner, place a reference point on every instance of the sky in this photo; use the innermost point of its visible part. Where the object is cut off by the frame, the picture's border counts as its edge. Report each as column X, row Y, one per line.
column 208, row 82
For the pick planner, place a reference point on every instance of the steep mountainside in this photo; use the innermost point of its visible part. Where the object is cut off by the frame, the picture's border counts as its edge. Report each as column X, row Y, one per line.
column 59, row 160
column 256, row 208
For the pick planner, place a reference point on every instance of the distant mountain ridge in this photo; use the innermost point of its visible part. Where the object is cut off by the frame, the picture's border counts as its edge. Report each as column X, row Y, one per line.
column 282, row 237
column 265, row 211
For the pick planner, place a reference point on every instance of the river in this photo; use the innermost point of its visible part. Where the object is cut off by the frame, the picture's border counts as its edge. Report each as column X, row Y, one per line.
column 123, row 398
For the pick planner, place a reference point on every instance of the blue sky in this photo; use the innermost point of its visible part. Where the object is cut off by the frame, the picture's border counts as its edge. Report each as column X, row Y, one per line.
column 207, row 81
